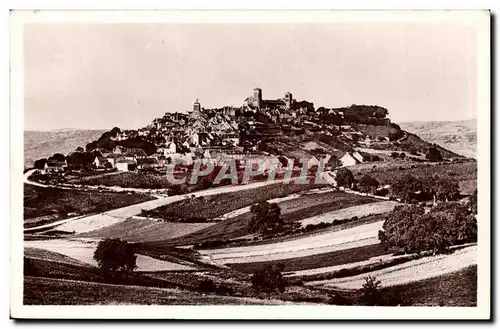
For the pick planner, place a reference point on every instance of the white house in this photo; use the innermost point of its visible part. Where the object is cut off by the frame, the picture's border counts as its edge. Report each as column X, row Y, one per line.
column 126, row 165
column 170, row 149
column 348, row 160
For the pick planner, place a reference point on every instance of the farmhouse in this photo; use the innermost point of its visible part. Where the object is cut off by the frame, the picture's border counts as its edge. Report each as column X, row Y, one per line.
column 101, row 162
column 55, row 166
column 348, row 160
column 134, row 153
column 112, row 157
column 126, row 165
column 144, row 163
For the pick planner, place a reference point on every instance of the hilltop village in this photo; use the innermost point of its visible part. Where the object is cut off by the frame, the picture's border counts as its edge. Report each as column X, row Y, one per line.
column 283, row 127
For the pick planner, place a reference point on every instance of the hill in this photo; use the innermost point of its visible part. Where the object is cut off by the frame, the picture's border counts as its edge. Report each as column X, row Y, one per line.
column 457, row 136
column 41, row 144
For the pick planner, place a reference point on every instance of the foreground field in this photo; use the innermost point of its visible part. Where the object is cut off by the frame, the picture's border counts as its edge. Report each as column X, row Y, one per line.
column 46, row 291
column 454, row 289
column 46, row 205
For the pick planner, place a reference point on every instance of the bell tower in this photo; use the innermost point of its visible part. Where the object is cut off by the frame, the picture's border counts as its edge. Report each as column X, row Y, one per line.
column 257, row 96
column 288, row 100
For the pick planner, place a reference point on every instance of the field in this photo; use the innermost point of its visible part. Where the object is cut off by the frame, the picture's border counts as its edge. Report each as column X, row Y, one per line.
column 414, row 270
column 83, row 251
column 44, row 291
column 453, row 289
column 454, row 171
column 140, row 230
column 45, row 205
column 325, row 264
column 128, row 180
column 208, row 207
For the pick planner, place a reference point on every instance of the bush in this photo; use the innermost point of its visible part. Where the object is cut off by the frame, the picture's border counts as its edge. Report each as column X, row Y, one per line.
column 368, row 184
column 115, row 255
column 265, row 217
column 207, row 285
column 434, row 155
column 344, row 177
column 269, row 279
column 370, row 293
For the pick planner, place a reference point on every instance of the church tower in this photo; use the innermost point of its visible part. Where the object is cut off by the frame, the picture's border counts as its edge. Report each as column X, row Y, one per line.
column 288, row 100
column 197, row 106
column 257, row 96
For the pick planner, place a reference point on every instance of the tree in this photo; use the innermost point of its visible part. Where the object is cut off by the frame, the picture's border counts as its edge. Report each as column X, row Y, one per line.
column 406, row 187
column 58, row 157
column 79, row 149
column 368, row 184
column 473, row 202
column 402, row 155
column 433, row 155
column 265, row 217
column 40, row 163
column 334, row 162
column 115, row 255
column 269, row 279
column 394, row 155
column 344, row 177
column 413, row 230
column 445, row 189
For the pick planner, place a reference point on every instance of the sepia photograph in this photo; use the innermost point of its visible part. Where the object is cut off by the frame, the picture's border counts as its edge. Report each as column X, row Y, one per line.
column 311, row 161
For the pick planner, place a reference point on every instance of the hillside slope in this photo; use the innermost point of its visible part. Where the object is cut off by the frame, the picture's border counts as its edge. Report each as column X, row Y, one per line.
column 457, row 136
column 41, row 144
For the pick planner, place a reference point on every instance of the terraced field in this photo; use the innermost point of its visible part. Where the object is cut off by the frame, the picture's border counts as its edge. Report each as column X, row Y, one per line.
column 83, row 251
column 415, row 270
column 359, row 236
column 143, row 229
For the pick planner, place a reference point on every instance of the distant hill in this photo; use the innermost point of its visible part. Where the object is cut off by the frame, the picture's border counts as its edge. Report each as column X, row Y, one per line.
column 456, row 136
column 41, row 144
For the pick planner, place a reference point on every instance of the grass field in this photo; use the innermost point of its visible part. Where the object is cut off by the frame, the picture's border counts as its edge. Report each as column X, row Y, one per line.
column 51, row 256
column 453, row 289
column 46, row 291
column 43, row 205
column 141, row 230
column 320, row 260
column 129, row 180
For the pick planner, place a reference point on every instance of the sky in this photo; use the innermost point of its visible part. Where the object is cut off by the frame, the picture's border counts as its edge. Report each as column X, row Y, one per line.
column 98, row 76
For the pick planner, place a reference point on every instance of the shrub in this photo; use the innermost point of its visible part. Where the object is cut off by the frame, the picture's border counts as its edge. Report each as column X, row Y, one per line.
column 269, row 279
column 368, row 184
column 265, row 217
column 207, row 285
column 115, row 255
column 344, row 177
column 370, row 293
column 433, row 155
